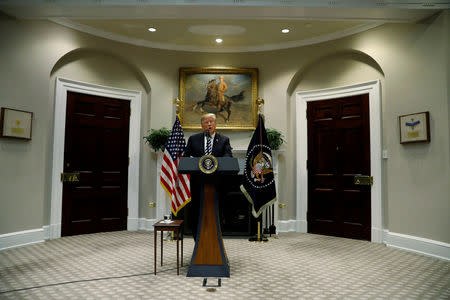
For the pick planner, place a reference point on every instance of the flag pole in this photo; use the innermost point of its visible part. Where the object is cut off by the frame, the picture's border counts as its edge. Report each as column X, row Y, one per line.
column 178, row 104
column 259, row 237
column 260, row 103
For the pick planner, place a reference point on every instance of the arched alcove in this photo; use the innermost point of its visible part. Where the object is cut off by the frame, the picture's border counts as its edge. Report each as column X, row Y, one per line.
column 346, row 58
column 90, row 71
column 90, row 59
column 341, row 73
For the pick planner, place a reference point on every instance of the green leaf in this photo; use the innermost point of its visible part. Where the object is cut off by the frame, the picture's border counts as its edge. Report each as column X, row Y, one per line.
column 275, row 137
column 157, row 139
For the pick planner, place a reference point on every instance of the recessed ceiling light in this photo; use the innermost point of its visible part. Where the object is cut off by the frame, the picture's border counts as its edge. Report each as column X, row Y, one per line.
column 218, row 41
column 285, row 30
column 152, row 29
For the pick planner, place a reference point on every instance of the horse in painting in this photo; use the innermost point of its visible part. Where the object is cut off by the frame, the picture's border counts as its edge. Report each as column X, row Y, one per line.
column 212, row 99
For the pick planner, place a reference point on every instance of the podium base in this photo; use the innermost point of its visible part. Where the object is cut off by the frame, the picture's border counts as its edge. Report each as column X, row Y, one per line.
column 208, row 271
column 219, row 283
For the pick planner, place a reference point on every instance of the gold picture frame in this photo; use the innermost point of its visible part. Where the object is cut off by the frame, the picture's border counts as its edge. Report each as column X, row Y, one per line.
column 415, row 128
column 15, row 123
column 202, row 90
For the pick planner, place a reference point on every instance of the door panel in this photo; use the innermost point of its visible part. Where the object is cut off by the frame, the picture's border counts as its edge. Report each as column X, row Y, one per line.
column 325, row 141
column 339, row 149
column 96, row 147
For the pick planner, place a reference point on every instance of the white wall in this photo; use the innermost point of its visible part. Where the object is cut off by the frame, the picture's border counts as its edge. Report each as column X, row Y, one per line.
column 413, row 62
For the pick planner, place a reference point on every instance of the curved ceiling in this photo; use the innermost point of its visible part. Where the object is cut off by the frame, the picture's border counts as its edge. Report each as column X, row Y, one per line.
column 243, row 25
column 200, row 35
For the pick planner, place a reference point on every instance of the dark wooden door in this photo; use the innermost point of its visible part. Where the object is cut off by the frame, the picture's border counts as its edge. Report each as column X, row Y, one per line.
column 338, row 150
column 96, row 147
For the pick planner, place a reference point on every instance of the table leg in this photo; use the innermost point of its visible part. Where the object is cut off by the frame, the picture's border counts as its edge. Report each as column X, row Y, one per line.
column 155, row 233
column 162, row 233
column 178, row 264
column 182, row 237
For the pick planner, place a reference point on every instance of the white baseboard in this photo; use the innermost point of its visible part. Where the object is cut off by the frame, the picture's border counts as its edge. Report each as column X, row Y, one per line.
column 288, row 226
column 410, row 243
column 132, row 224
column 377, row 235
column 418, row 245
column 147, row 224
column 33, row 236
column 23, row 238
column 292, row 225
column 55, row 231
column 46, row 232
column 302, row 226
column 395, row 240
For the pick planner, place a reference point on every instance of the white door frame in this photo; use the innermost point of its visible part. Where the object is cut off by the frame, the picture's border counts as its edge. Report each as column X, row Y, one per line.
column 302, row 98
column 62, row 87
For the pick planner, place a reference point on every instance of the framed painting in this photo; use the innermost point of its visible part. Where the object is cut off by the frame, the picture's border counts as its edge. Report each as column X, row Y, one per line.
column 229, row 93
column 415, row 128
column 15, row 123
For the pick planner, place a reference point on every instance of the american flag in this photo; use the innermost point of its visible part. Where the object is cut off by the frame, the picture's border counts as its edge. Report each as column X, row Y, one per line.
column 176, row 185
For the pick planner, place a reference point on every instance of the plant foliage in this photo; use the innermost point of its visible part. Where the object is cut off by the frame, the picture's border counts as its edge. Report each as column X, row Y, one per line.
column 276, row 138
column 157, row 139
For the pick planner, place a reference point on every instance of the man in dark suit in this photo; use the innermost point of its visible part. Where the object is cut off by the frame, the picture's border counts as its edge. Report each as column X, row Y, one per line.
column 206, row 142
column 197, row 143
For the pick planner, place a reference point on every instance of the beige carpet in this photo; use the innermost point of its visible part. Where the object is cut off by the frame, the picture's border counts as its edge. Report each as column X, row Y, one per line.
column 119, row 265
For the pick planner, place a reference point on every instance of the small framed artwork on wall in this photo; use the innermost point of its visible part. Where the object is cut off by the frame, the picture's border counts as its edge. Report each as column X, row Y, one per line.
column 415, row 128
column 15, row 123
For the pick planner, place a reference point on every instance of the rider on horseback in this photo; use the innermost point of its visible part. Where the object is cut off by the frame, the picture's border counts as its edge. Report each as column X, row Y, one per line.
column 221, row 88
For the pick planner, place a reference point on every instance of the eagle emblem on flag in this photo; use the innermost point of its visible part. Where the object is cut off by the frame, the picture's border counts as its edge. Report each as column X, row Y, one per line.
column 261, row 165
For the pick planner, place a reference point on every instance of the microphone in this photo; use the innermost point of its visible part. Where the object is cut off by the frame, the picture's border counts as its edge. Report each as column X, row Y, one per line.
column 207, row 133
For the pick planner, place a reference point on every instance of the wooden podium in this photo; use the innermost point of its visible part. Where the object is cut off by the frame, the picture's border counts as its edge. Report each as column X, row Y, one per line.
column 209, row 258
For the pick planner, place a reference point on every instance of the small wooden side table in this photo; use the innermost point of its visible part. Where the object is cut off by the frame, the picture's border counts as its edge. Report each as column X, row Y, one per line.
column 176, row 226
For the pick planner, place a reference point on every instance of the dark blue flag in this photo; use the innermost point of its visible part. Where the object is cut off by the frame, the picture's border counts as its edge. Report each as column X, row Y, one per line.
column 258, row 183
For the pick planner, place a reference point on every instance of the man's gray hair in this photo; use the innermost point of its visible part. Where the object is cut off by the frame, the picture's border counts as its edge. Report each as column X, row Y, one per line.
column 209, row 115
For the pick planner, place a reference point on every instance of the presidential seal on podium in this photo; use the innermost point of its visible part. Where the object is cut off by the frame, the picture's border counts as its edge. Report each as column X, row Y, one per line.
column 208, row 164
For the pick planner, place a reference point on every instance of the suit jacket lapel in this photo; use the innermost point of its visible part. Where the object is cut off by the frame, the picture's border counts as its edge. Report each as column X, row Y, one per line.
column 215, row 143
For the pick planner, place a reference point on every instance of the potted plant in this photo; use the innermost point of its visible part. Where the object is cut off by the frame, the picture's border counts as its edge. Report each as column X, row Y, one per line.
column 276, row 138
column 157, row 139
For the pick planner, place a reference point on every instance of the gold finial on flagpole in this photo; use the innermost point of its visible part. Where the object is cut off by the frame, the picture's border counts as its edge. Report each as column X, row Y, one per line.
column 260, row 103
column 177, row 105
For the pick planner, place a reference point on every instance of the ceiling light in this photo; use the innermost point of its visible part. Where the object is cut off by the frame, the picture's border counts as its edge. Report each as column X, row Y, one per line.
column 285, row 30
column 152, row 29
column 218, row 41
